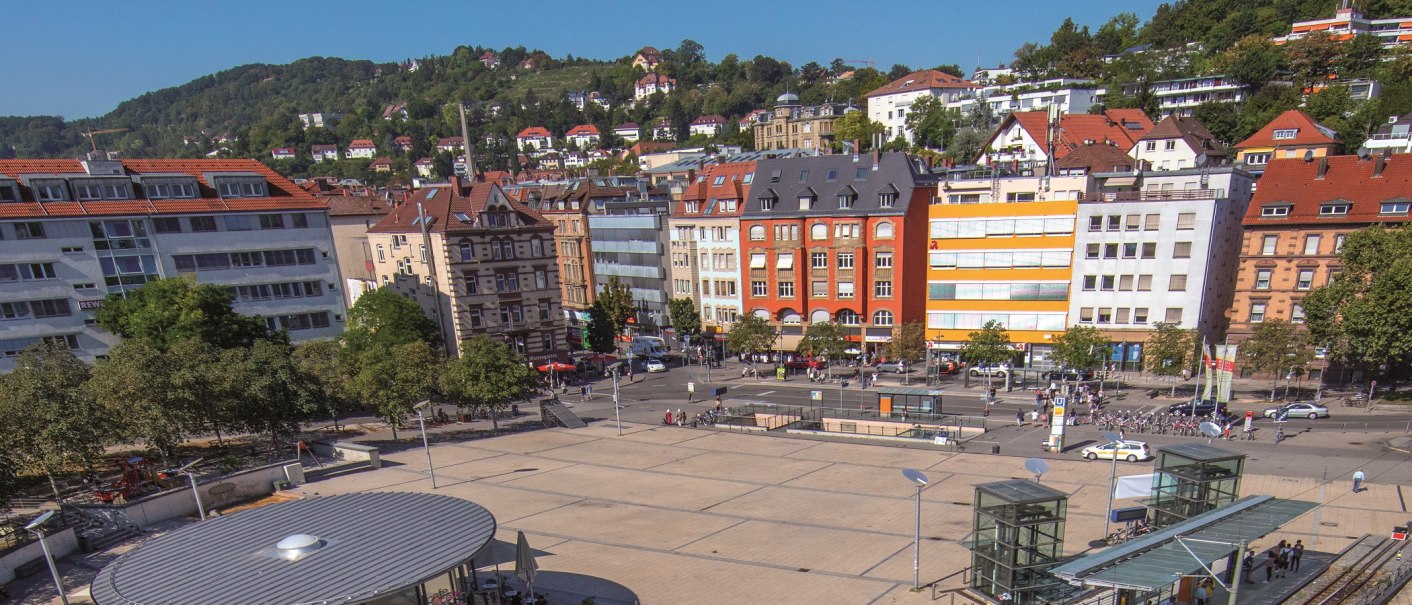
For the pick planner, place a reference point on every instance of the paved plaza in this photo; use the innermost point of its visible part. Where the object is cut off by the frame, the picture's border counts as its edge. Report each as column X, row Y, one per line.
column 676, row 515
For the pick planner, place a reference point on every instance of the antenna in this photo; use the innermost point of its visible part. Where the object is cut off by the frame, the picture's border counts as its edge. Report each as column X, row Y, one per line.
column 1036, row 466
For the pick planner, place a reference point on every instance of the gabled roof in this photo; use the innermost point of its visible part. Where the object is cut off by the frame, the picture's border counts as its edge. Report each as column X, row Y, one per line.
column 323, row 148
column 1308, row 132
column 381, row 161
column 626, row 126
column 650, row 53
column 533, row 131
column 781, row 178
column 423, row 162
column 361, row 144
column 582, row 129
column 1121, row 127
column 1347, row 178
column 448, row 141
column 750, row 117
column 1191, row 130
column 357, row 205
column 708, row 120
column 403, row 140
column 1096, row 158
column 442, row 204
column 926, row 79
column 658, row 79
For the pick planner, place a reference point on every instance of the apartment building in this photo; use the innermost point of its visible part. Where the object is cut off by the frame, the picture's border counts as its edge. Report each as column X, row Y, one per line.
column 1296, row 225
column 1068, row 95
column 74, row 231
column 1181, row 96
column 350, row 218
column 837, row 238
column 1348, row 22
column 630, row 244
column 888, row 105
column 1177, row 143
column 793, row 126
column 1291, row 135
column 479, row 262
column 1394, row 136
column 1000, row 247
column 1157, row 246
column 1037, row 137
column 704, row 243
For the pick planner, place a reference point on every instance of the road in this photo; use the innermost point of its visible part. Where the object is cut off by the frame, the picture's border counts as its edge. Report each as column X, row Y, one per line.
column 1326, row 448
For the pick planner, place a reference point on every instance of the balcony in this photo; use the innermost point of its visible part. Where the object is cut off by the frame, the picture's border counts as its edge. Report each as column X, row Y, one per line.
column 1154, row 196
column 615, row 270
column 628, row 247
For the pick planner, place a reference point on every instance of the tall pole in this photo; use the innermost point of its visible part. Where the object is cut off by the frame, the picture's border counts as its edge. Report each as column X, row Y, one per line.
column 617, row 408
column 53, row 569
column 421, row 420
column 917, row 545
column 1112, row 480
column 200, row 508
column 1237, row 580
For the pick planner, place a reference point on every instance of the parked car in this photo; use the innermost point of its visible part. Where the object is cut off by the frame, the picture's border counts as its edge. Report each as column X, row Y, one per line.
column 900, row 366
column 1069, row 374
column 1132, row 451
column 1202, row 407
column 947, row 366
column 655, row 365
column 1298, row 409
column 990, row 370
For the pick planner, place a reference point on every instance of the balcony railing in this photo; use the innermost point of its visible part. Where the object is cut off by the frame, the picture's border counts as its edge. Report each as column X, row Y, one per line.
column 1154, row 196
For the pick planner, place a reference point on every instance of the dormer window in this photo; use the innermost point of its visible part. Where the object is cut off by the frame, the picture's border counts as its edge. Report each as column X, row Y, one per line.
column 719, row 181
column 1395, row 206
column 1285, row 134
column 1340, row 209
column 845, row 201
column 806, row 199
column 9, row 192
column 1274, row 211
column 241, row 186
column 887, row 198
column 169, row 188
column 50, row 190
column 102, row 189
column 692, row 207
column 767, row 202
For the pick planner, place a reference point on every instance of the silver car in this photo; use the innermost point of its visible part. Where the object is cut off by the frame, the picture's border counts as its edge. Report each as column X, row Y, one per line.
column 1298, row 409
column 893, row 366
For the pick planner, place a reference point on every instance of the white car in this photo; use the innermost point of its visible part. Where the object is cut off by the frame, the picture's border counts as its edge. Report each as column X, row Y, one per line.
column 655, row 365
column 1298, row 409
column 1132, row 451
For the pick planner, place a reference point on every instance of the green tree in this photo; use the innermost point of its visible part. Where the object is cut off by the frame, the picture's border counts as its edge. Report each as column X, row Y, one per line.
column 855, row 126
column 930, row 122
column 1276, row 347
column 685, row 320
column 50, row 424
column 383, row 318
column 988, row 346
column 323, row 365
column 825, row 340
column 391, row 380
column 753, row 335
column 1253, row 61
column 488, row 375
column 167, row 310
column 274, row 396
column 1313, row 58
column 1364, row 315
column 1081, row 348
column 909, row 342
column 601, row 337
column 617, row 301
column 1170, row 351
column 138, row 381
column 199, row 385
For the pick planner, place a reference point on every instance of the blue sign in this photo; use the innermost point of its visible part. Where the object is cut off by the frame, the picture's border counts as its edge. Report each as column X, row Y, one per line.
column 718, row 391
column 1128, row 515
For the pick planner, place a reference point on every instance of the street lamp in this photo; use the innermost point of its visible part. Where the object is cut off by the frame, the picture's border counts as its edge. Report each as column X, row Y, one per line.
column 37, row 526
column 919, row 478
column 190, row 476
column 1113, row 439
column 421, row 420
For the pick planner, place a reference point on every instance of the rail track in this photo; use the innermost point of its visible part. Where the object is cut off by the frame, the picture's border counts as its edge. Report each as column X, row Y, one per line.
column 1360, row 568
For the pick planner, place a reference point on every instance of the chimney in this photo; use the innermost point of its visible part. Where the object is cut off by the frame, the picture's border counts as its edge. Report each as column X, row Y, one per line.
column 877, row 157
column 1323, row 168
column 1380, row 163
column 456, row 185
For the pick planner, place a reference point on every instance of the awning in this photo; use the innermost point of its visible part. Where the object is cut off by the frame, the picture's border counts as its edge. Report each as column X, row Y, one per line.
column 1120, row 181
column 1157, row 560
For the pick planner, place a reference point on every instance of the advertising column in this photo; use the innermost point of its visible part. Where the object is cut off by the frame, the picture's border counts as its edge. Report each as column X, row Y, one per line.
column 1056, row 430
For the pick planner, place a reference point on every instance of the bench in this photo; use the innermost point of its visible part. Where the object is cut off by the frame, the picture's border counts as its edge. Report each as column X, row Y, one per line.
column 32, row 568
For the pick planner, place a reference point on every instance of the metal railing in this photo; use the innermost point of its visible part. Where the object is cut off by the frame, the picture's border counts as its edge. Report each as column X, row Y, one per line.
column 1153, row 196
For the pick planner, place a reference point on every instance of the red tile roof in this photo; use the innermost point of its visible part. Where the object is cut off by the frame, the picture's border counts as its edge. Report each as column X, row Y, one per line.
column 1191, row 130
column 707, row 120
column 357, row 205
column 1098, row 157
column 658, row 79
column 361, row 144
column 583, row 129
column 1348, row 178
column 1121, row 127
column 533, row 131
column 1308, row 132
column 643, row 147
column 442, row 204
column 704, row 189
column 926, row 79
column 284, row 194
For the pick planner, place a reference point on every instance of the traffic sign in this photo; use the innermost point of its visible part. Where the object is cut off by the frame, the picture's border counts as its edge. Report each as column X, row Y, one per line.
column 816, row 395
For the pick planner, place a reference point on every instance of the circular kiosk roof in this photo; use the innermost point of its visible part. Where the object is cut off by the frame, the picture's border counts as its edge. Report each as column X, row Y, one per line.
column 334, row 549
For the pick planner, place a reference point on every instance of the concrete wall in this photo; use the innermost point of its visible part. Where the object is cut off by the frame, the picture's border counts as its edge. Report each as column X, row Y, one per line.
column 179, row 502
column 61, row 544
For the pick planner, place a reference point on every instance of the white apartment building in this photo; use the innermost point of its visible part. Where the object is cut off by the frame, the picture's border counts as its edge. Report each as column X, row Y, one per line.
column 1395, row 135
column 1348, row 21
column 1181, row 96
column 889, row 104
column 1158, row 247
column 1068, row 94
column 74, row 231
column 705, row 242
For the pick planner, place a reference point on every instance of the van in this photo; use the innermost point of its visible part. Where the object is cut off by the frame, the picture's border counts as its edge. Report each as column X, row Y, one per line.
column 644, row 347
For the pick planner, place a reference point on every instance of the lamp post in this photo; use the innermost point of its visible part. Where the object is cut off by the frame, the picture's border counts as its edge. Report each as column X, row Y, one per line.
column 617, row 408
column 37, row 526
column 920, row 479
column 190, row 476
column 1113, row 439
column 422, row 421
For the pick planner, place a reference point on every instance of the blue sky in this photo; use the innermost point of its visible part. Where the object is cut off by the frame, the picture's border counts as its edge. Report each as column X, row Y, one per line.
column 80, row 59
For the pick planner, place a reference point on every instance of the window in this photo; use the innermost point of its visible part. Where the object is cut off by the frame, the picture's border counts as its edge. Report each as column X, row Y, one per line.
column 1274, row 211
column 786, row 232
column 818, row 260
column 58, row 307
column 1174, row 316
column 882, row 260
column 786, row 289
column 757, row 233
column 845, row 289
column 845, row 260
column 1095, row 223
column 1296, row 314
column 768, row 202
column 847, row 317
column 1176, row 283
column 882, row 288
column 1151, row 146
column 166, row 225
column 887, row 199
column 1311, row 245
column 818, row 231
column 1257, row 312
column 541, row 279
column 860, row 174
column 1305, row 280
column 507, row 282
column 1149, row 250
column 271, row 221
column 474, row 315
column 1125, row 282
column 845, row 201
column 883, row 231
column 1397, row 207
column 806, row 202
column 50, row 191
column 1090, row 282
column 1170, row 146
column 1181, row 250
column 1338, row 243
column 202, row 224
column 775, row 176
column 1132, row 222
column 1262, row 279
column 1186, row 221
column 1151, row 222
column 1115, row 222
column 29, row 230
column 1105, row 315
column 803, row 176
column 819, row 289
column 1144, row 283
column 536, row 248
column 1140, row 315
column 1092, row 251
column 1110, row 250
column 1333, row 209
column 1282, row 134
column 1257, row 159
column 757, row 260
column 241, row 187
column 784, row 261
column 759, row 289
column 882, row 318
column 1267, row 245
column 846, row 231
column 1130, row 250
column 1086, row 315
column 1108, row 282
column 472, row 284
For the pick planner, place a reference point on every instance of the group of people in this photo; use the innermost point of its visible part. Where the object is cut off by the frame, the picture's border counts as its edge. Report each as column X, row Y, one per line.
column 1277, row 561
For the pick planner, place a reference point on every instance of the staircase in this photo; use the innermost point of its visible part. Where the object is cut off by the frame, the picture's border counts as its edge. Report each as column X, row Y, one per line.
column 554, row 413
column 98, row 526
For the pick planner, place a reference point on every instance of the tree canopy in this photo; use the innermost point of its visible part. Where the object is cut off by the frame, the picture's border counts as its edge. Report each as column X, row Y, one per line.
column 1081, row 347
column 1364, row 315
column 685, row 320
column 488, row 375
column 382, row 318
column 167, row 310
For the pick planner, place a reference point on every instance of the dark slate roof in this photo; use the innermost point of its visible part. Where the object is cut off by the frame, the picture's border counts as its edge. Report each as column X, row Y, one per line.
column 780, row 177
column 1021, row 491
column 373, row 544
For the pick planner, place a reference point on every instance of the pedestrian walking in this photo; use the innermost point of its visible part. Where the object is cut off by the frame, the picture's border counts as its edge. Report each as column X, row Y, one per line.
column 1019, row 419
column 590, row 392
column 1358, row 478
column 1269, row 565
column 583, row 392
column 1296, row 554
column 1282, row 561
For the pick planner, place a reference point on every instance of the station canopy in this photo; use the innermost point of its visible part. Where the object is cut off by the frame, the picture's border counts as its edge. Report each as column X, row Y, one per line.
column 1158, row 559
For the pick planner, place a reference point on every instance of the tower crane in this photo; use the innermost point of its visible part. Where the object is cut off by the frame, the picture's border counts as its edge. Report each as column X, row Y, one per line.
column 91, row 132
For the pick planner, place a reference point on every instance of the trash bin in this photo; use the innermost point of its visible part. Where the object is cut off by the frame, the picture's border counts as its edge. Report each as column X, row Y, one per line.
column 995, row 449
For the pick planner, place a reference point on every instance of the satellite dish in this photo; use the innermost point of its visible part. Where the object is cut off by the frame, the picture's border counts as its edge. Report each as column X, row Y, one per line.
column 915, row 476
column 1309, row 155
column 1037, row 466
column 1210, row 430
column 1112, row 437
